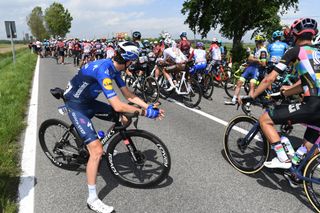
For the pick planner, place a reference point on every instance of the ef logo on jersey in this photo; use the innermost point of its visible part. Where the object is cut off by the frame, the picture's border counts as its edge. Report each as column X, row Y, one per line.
column 107, row 83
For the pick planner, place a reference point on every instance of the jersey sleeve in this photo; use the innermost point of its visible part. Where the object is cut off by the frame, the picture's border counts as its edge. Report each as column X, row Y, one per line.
column 290, row 56
column 105, row 82
column 120, row 83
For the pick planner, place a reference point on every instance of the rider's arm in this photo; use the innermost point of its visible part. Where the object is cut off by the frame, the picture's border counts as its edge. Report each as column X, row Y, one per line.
column 120, row 106
column 294, row 89
column 133, row 98
column 266, row 82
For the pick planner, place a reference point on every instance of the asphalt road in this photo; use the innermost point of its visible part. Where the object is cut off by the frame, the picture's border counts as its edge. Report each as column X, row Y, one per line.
column 201, row 180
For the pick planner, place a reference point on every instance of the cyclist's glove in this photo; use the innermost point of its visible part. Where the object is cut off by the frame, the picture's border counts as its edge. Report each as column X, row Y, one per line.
column 152, row 112
column 247, row 99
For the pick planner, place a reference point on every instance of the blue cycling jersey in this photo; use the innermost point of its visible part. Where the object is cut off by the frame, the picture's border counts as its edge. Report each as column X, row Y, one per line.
column 91, row 80
column 276, row 51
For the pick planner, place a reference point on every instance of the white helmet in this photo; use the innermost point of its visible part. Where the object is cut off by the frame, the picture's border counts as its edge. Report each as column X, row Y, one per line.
column 215, row 40
column 169, row 42
column 128, row 51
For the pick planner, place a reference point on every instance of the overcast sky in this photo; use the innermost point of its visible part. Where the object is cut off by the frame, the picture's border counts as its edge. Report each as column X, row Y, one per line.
column 97, row 18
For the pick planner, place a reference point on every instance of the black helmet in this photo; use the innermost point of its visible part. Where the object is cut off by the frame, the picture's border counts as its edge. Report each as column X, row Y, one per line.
column 136, row 35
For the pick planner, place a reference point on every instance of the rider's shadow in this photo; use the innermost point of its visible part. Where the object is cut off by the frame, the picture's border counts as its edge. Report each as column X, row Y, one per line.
column 112, row 183
column 268, row 178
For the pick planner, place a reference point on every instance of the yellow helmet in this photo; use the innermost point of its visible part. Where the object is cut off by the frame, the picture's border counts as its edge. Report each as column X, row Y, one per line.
column 259, row 38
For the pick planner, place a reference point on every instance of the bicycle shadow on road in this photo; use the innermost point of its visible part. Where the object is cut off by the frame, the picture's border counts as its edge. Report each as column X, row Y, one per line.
column 268, row 178
column 112, row 183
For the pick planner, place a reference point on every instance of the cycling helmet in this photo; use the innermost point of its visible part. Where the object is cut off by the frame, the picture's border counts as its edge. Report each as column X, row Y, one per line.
column 183, row 34
column 128, row 51
column 146, row 43
column 136, row 35
column 110, row 44
column 169, row 42
column 215, row 40
column 304, row 25
column 259, row 38
column 276, row 34
column 199, row 44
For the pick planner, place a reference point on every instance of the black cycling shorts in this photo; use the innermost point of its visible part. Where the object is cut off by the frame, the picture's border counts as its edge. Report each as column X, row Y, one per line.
column 307, row 112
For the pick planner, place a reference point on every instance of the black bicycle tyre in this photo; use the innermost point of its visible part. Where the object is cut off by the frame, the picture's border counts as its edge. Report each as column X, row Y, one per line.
column 113, row 167
column 154, row 90
column 311, row 166
column 230, row 86
column 207, row 86
column 266, row 147
column 43, row 143
column 195, row 87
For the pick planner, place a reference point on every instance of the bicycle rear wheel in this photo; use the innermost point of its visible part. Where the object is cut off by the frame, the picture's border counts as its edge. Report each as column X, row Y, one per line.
column 141, row 161
column 60, row 144
column 230, row 85
column 151, row 90
column 207, row 86
column 194, row 97
column 247, row 156
column 312, row 190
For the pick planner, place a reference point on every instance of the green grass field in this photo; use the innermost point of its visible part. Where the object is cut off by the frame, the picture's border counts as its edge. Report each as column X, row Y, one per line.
column 15, row 83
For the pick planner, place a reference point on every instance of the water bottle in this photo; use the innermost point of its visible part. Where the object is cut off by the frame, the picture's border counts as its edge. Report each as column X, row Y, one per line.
column 101, row 134
column 287, row 146
column 299, row 155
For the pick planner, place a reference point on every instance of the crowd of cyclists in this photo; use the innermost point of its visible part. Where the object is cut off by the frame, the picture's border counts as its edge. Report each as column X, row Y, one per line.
column 168, row 57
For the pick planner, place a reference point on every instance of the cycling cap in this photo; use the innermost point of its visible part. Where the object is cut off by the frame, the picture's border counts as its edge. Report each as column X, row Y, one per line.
column 304, row 25
column 183, row 34
column 259, row 38
column 128, row 51
column 276, row 34
column 136, row 35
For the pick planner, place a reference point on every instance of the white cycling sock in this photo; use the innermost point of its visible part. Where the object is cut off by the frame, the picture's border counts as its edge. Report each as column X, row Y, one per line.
column 171, row 82
column 281, row 153
column 92, row 192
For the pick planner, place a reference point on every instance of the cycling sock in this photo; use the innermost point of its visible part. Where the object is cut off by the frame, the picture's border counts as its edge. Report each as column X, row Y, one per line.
column 281, row 153
column 92, row 192
column 171, row 82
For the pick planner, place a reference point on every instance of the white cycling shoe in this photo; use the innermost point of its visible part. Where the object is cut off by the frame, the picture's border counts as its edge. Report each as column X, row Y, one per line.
column 98, row 206
column 276, row 163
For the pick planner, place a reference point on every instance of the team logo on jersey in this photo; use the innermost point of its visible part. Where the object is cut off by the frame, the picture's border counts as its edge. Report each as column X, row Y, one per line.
column 107, row 83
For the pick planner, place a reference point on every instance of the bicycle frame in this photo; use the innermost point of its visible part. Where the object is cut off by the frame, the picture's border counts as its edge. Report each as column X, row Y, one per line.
column 295, row 170
column 184, row 83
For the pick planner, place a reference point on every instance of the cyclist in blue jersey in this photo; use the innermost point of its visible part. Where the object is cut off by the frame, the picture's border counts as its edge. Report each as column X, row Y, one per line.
column 276, row 49
column 306, row 60
column 80, row 96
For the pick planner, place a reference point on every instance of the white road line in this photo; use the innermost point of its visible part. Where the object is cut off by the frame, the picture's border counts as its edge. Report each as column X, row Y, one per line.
column 211, row 117
column 27, row 179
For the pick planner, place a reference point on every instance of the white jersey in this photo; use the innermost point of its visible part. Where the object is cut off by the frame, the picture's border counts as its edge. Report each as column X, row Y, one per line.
column 199, row 56
column 175, row 54
column 216, row 53
column 87, row 48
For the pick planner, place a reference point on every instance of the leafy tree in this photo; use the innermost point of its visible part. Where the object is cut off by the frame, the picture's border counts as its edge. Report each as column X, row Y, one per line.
column 35, row 22
column 58, row 20
column 235, row 17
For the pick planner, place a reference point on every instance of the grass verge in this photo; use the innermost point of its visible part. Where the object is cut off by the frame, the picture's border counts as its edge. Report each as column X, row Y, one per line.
column 15, row 84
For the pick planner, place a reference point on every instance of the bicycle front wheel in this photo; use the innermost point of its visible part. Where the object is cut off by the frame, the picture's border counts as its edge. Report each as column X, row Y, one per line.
column 142, row 160
column 246, row 153
column 312, row 190
column 193, row 98
column 60, row 144
column 151, row 90
column 207, row 86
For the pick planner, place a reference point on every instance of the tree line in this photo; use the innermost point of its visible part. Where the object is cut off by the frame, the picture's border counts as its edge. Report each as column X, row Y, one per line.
column 54, row 22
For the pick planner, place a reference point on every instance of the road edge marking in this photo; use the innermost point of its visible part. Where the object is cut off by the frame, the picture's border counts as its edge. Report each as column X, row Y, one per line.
column 27, row 178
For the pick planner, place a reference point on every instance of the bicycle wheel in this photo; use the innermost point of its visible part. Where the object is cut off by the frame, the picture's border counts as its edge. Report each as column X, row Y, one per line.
column 129, row 80
column 230, row 85
column 245, row 155
column 194, row 97
column 60, row 144
column 207, row 86
column 150, row 90
column 141, row 161
column 312, row 190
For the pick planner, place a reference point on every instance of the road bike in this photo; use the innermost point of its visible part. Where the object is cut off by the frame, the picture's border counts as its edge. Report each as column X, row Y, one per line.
column 135, row 157
column 219, row 72
column 231, row 83
column 187, row 87
column 247, row 148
